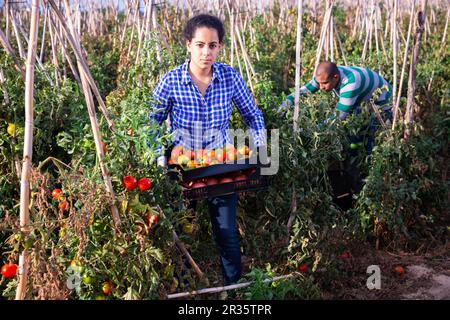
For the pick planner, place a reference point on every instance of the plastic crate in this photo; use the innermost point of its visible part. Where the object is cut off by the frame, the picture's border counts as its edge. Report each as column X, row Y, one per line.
column 253, row 182
column 249, row 185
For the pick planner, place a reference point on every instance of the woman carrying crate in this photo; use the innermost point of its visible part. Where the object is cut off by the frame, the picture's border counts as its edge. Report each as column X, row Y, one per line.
column 197, row 96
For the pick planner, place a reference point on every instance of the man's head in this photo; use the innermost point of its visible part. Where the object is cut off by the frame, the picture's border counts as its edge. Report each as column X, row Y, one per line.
column 327, row 75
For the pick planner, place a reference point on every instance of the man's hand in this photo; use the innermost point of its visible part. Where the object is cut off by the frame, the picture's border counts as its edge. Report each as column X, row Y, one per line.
column 289, row 102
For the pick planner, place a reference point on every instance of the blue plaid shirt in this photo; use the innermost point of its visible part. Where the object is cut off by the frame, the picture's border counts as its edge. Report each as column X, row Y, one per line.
column 203, row 121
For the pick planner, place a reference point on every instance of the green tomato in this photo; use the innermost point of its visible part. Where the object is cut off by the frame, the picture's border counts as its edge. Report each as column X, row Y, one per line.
column 87, row 279
column 353, row 146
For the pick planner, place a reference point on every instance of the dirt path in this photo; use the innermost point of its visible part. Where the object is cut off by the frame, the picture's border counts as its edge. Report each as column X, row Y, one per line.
column 426, row 276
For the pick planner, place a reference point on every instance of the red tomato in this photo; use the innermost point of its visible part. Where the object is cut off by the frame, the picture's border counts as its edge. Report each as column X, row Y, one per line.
column 240, row 177
column 211, row 181
column 107, row 287
column 198, row 184
column 226, row 180
column 199, row 154
column 399, row 270
column 190, row 154
column 130, row 183
column 232, row 154
column 9, row 270
column 104, row 148
column 303, row 268
column 244, row 150
column 345, row 255
column 210, row 154
column 56, row 194
column 221, row 155
column 63, row 205
column 144, row 184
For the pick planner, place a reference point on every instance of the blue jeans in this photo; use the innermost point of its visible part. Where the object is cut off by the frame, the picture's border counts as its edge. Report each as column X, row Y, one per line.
column 222, row 211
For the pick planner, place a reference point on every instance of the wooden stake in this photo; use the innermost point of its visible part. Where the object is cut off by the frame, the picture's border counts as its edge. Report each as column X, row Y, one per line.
column 326, row 21
column 405, row 58
column 93, row 119
column 27, row 148
column 340, row 44
column 225, row 288
column 298, row 63
column 409, row 115
column 5, row 43
column 83, row 64
column 394, row 50
column 41, row 55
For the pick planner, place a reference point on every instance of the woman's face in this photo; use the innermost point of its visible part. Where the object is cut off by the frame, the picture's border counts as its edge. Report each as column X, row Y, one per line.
column 204, row 47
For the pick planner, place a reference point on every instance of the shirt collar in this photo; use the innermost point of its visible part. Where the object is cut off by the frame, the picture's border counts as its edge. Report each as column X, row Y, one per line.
column 186, row 77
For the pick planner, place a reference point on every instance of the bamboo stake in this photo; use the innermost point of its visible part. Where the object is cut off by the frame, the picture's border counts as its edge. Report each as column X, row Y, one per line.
column 232, row 38
column 134, row 26
column 247, row 63
column 409, row 115
column 27, row 148
column 244, row 51
column 237, row 52
column 41, row 55
column 340, row 44
column 93, row 119
column 16, row 33
column 83, row 64
column 180, row 244
column 371, row 23
column 298, row 63
column 356, row 22
column 367, row 42
column 327, row 38
column 40, row 65
column 298, row 71
column 380, row 33
column 53, row 43
column 446, row 27
column 5, row 43
column 7, row 19
column 66, row 54
column 315, row 17
column 395, row 54
column 5, row 90
column 388, row 18
column 127, row 17
column 331, row 37
column 405, row 58
column 141, row 32
column 377, row 47
column 323, row 34
column 225, row 288
column 441, row 49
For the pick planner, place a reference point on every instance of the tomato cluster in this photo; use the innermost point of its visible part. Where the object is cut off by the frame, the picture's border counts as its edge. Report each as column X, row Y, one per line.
column 58, row 195
column 191, row 159
column 130, row 183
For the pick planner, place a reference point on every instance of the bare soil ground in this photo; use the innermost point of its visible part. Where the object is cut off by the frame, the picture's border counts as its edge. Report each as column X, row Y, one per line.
column 426, row 277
